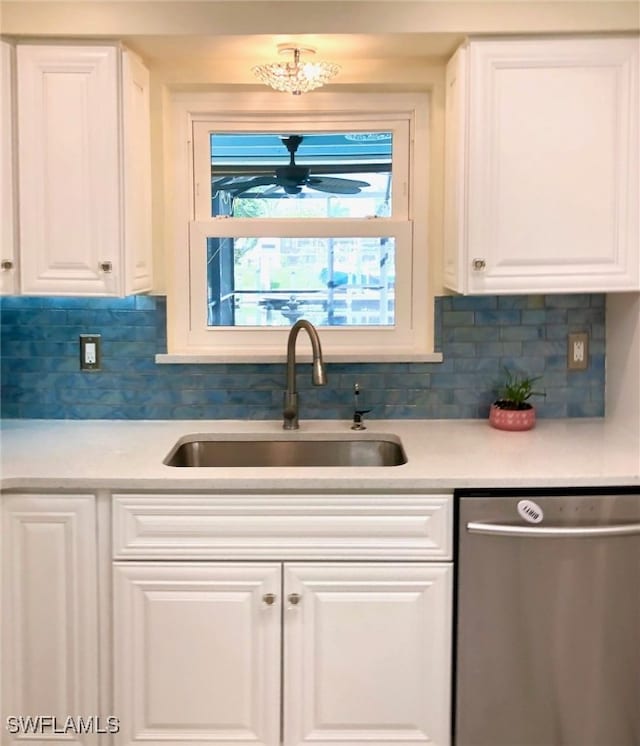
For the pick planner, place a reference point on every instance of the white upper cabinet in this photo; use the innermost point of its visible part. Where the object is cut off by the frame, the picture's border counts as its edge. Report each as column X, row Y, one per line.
column 8, row 246
column 542, row 166
column 84, row 170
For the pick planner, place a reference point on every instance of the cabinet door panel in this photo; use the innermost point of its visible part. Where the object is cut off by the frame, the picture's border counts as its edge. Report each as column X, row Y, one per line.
column 553, row 165
column 49, row 618
column 542, row 164
column 367, row 654
column 197, row 653
column 69, row 176
column 263, row 527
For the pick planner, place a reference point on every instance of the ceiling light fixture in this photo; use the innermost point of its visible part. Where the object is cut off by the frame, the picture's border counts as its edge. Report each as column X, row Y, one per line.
column 297, row 76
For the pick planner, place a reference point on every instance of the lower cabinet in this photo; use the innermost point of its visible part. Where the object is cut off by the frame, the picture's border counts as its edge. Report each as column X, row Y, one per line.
column 229, row 653
column 366, row 653
column 106, row 641
column 49, row 666
column 197, row 653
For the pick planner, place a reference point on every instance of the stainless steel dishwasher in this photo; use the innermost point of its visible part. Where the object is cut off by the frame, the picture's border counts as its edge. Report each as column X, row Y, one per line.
column 548, row 619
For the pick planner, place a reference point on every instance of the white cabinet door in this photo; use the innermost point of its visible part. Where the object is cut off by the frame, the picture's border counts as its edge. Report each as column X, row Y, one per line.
column 367, row 654
column 77, row 230
column 542, row 166
column 8, row 230
column 197, row 653
column 49, row 616
column 69, row 172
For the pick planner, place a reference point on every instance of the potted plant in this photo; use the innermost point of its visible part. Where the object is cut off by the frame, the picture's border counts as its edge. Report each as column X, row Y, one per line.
column 512, row 410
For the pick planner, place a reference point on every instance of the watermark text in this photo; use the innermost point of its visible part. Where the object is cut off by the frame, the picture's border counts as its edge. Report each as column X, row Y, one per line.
column 54, row 725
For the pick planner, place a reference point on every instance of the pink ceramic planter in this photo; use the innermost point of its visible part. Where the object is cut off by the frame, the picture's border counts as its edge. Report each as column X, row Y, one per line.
column 512, row 419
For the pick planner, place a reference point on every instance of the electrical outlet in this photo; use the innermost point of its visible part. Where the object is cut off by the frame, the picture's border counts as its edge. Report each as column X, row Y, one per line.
column 89, row 352
column 578, row 351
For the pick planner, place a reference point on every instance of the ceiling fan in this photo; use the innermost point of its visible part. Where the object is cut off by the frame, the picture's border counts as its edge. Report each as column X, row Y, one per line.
column 293, row 178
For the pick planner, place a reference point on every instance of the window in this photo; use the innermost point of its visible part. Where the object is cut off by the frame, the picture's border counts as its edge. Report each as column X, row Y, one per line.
column 273, row 281
column 313, row 213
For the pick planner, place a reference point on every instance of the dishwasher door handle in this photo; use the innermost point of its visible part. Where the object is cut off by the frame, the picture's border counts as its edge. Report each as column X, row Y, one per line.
column 574, row 532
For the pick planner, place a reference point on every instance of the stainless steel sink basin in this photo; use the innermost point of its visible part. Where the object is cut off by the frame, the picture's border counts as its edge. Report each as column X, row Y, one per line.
column 199, row 450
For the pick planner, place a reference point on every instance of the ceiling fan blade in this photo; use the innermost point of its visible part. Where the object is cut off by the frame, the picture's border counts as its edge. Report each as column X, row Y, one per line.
column 239, row 187
column 335, row 189
column 336, row 186
column 338, row 181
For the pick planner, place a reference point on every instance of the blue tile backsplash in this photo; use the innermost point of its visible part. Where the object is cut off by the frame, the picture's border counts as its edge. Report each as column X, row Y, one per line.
column 478, row 337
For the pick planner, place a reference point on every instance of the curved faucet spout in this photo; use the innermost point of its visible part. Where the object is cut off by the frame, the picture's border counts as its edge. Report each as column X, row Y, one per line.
column 318, row 371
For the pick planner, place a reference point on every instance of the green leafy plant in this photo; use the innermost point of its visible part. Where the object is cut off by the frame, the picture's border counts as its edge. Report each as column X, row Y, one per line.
column 515, row 391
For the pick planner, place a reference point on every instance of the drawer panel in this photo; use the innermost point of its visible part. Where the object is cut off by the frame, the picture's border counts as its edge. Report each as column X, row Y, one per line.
column 191, row 526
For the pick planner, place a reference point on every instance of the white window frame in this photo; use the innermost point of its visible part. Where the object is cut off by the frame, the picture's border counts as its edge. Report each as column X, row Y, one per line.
column 193, row 116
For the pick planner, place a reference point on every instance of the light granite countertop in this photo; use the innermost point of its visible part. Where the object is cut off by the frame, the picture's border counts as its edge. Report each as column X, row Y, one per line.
column 442, row 454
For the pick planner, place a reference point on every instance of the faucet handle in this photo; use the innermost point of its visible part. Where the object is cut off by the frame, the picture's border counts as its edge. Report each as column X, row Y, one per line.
column 357, row 413
column 358, row 423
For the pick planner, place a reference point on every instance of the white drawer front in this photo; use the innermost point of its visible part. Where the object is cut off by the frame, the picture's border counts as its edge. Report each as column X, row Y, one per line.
column 282, row 526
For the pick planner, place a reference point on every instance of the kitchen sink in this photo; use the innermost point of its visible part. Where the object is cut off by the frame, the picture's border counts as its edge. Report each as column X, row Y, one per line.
column 202, row 450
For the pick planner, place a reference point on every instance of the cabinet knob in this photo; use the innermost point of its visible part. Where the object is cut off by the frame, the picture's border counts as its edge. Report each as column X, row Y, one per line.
column 478, row 265
column 294, row 599
column 6, row 264
column 269, row 599
column 106, row 266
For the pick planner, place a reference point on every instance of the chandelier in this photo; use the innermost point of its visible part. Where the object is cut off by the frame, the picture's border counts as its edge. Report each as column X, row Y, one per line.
column 296, row 76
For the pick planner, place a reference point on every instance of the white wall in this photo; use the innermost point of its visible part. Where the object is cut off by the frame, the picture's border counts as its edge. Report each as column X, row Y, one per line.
column 623, row 362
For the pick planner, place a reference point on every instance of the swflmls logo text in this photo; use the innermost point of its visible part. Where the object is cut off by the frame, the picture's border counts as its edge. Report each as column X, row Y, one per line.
column 54, row 725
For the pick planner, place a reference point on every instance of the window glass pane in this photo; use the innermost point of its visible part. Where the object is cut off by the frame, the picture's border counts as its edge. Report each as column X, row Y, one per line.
column 267, row 175
column 338, row 281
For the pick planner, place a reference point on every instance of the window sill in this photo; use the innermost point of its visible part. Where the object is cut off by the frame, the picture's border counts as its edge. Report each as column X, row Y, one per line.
column 332, row 357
